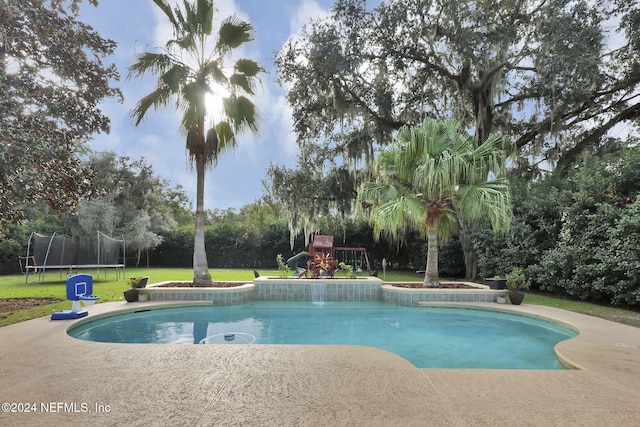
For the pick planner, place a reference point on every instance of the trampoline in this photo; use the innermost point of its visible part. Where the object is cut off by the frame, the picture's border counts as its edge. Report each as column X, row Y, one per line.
column 62, row 252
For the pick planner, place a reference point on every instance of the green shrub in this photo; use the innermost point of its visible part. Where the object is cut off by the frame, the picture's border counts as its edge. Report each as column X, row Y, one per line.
column 282, row 266
column 348, row 269
column 597, row 256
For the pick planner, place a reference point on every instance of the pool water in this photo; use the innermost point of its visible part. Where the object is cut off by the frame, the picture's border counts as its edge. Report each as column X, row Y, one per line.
column 429, row 337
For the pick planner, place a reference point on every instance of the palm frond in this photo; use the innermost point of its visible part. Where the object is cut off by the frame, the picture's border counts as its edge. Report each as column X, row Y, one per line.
column 212, row 147
column 225, row 134
column 185, row 42
column 448, row 225
column 242, row 113
column 149, row 62
column 182, row 23
column 194, row 143
column 205, row 10
column 220, row 139
column 490, row 156
column 166, row 9
column 190, row 23
column 248, row 67
column 373, row 192
column 189, row 116
column 396, row 217
column 488, row 199
column 242, row 81
column 233, row 33
column 191, row 16
column 192, row 96
column 175, row 77
column 157, row 98
column 211, row 71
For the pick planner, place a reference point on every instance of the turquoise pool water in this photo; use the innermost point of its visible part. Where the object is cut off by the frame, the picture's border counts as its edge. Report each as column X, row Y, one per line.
column 429, row 337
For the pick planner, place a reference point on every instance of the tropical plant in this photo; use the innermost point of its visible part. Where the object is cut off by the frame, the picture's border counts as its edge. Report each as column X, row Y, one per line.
column 323, row 265
column 137, row 282
column 189, row 69
column 434, row 176
column 348, row 269
column 282, row 265
column 517, row 281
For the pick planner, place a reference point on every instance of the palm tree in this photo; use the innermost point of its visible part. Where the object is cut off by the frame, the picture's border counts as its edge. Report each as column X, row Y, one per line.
column 432, row 177
column 190, row 67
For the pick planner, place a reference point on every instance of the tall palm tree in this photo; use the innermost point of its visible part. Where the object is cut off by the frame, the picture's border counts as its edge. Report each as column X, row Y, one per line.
column 190, row 67
column 431, row 177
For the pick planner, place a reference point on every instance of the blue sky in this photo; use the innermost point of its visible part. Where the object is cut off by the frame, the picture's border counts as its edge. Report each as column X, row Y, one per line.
column 138, row 26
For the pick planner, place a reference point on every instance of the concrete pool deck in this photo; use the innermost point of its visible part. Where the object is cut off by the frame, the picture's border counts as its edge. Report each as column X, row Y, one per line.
column 64, row 381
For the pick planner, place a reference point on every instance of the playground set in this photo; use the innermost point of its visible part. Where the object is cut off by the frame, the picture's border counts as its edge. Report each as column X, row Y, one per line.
column 322, row 258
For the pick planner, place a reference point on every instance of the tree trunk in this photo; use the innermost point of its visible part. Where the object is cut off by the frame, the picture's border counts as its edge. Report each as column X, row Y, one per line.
column 470, row 259
column 201, row 276
column 431, row 273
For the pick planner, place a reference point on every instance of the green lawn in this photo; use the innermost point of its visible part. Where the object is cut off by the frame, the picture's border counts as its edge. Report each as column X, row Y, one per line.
column 108, row 288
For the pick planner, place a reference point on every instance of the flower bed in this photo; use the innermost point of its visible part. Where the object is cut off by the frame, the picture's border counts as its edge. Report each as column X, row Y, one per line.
column 190, row 285
column 420, row 285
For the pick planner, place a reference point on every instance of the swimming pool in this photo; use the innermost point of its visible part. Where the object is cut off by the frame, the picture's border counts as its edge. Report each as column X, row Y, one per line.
column 429, row 337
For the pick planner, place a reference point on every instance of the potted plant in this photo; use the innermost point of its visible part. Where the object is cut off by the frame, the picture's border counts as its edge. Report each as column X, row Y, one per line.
column 495, row 282
column 135, row 284
column 516, row 283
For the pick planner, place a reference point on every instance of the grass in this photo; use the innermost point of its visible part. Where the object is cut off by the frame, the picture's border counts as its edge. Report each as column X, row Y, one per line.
column 615, row 314
column 110, row 289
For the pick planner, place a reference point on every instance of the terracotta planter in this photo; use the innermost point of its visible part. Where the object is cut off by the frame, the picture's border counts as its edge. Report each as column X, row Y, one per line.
column 131, row 295
column 516, row 297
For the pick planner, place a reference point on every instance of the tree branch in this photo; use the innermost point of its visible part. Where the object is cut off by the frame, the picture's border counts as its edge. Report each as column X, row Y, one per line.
column 569, row 156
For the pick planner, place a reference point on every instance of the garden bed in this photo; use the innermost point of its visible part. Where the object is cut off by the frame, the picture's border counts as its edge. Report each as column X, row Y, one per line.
column 190, row 285
column 9, row 305
column 420, row 285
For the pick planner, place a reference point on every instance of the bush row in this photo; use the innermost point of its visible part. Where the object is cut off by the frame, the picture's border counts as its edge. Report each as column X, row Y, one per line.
column 233, row 245
column 576, row 236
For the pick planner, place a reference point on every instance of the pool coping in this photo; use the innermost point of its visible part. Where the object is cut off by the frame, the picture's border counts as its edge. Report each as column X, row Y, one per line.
column 146, row 384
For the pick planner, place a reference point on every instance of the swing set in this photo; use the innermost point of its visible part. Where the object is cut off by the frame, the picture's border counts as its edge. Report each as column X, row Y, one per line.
column 324, row 258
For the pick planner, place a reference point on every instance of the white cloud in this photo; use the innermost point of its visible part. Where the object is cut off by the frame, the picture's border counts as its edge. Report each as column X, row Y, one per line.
column 286, row 135
column 309, row 10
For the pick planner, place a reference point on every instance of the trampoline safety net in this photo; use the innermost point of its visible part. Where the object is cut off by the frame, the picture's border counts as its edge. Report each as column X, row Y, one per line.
column 60, row 251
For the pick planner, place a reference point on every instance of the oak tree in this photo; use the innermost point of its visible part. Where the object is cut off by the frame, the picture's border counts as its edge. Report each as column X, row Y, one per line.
column 52, row 80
